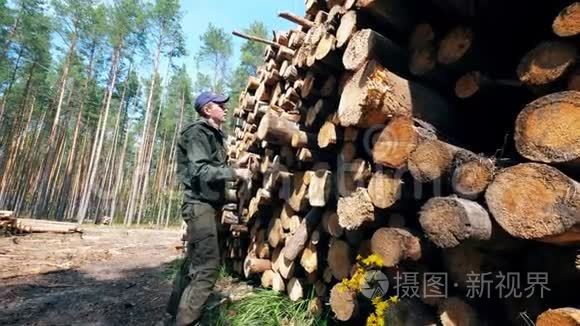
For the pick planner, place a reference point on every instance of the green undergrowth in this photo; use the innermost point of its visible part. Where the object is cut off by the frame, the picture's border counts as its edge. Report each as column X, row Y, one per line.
column 263, row 307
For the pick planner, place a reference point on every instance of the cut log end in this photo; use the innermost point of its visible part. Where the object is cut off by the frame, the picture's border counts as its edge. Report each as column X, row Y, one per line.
column 339, row 259
column 546, row 63
column 395, row 245
column 343, row 302
column 384, row 189
column 471, row 178
column 467, row 85
column 567, row 23
column 548, row 129
column 448, row 221
column 346, row 28
column 454, row 45
column 455, row 312
column 430, row 160
column 294, row 289
column 532, row 201
column 395, row 142
column 355, row 209
column 560, row 317
column 421, row 36
column 423, row 60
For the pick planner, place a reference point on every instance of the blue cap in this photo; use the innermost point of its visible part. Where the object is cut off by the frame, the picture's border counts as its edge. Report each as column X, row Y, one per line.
column 206, row 97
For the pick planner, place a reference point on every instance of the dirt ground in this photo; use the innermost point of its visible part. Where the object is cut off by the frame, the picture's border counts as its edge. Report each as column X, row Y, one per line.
column 106, row 276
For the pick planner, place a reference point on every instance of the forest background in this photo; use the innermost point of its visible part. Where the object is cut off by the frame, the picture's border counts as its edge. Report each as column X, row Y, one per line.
column 93, row 95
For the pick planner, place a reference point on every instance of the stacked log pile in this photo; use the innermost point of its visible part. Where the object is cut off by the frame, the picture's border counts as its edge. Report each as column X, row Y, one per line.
column 440, row 136
column 13, row 226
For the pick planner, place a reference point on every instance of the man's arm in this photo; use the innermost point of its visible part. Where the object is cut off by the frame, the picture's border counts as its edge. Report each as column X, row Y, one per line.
column 201, row 164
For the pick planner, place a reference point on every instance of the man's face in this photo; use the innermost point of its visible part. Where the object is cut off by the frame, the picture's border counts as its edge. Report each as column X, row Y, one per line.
column 216, row 112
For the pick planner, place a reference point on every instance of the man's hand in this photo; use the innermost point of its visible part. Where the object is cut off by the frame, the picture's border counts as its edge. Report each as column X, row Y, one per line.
column 243, row 160
column 244, row 174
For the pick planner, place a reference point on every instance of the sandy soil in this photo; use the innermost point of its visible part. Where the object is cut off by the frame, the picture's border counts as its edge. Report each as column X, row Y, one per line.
column 106, row 276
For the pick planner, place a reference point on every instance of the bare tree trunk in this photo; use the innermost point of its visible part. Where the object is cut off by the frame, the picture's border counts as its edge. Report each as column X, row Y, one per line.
column 63, row 81
column 147, row 167
column 141, row 153
column 93, row 172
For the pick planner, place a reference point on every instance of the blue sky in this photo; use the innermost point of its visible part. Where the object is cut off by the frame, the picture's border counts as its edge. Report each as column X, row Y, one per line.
column 231, row 15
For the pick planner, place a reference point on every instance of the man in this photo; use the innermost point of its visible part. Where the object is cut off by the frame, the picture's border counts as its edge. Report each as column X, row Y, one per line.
column 201, row 167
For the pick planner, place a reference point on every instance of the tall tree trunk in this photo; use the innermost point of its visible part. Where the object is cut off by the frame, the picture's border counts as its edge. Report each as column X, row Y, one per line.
column 63, row 80
column 170, row 182
column 93, row 172
column 141, row 153
column 10, row 84
column 149, row 157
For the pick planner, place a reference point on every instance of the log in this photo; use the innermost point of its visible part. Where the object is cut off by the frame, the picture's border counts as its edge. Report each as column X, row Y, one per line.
column 6, row 213
column 329, row 87
column 327, row 135
column 275, row 233
column 275, row 129
column 298, row 198
column 339, row 259
column 348, row 152
column 566, row 23
column 256, row 265
column 423, row 60
column 320, row 188
column 561, row 316
column 257, row 39
column 347, row 27
column 284, row 266
column 450, row 221
column 574, row 81
column 398, row 14
column 535, row 201
column 296, row 19
column 343, row 302
column 394, row 245
column 474, row 82
column 421, row 36
column 319, row 111
column 294, row 289
column 373, row 95
column 431, row 160
column 330, row 224
column 309, row 258
column 454, row 45
column 324, row 50
column 547, row 62
column 267, row 278
column 355, row 209
column 384, row 188
column 304, row 139
column 367, row 45
column 471, row 175
column 548, row 129
column 296, row 243
column 278, row 283
column 395, row 143
column 455, row 312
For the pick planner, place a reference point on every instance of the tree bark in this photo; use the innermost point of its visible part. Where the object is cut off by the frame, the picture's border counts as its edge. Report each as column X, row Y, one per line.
column 373, row 95
column 395, row 245
column 450, row 221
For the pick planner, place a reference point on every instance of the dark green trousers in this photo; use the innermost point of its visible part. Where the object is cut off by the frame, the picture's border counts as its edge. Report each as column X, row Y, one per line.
column 197, row 276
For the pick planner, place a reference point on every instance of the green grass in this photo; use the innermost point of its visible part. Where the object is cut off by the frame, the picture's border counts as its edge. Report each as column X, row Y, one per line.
column 172, row 269
column 263, row 307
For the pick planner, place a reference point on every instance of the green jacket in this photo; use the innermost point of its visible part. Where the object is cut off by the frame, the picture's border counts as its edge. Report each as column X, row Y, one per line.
column 201, row 163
